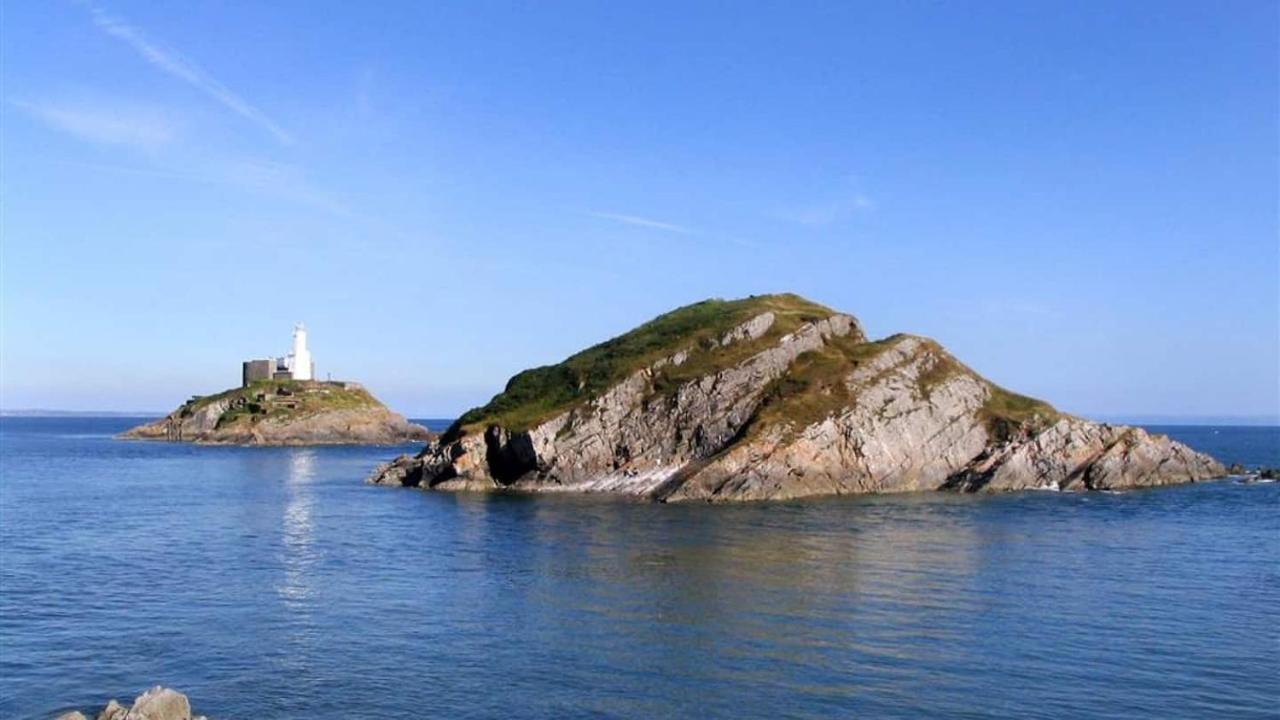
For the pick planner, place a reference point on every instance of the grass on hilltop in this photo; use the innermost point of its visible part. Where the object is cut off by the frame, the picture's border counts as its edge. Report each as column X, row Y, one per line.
column 536, row 395
column 267, row 399
column 815, row 387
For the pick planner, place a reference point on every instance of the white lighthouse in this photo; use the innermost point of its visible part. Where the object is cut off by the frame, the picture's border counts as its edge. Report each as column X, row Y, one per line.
column 301, row 365
column 297, row 365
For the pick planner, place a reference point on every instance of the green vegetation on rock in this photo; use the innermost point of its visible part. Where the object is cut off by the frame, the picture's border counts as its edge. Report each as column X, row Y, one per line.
column 1007, row 413
column 816, row 386
column 536, row 395
column 280, row 399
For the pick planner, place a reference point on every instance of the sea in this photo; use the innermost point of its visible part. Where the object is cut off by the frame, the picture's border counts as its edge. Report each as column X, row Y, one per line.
column 275, row 583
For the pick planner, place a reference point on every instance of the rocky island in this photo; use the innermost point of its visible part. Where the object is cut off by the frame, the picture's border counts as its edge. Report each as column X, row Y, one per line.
column 776, row 397
column 284, row 412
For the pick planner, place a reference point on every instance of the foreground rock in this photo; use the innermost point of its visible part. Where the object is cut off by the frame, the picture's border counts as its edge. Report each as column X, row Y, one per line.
column 776, row 397
column 284, row 412
column 158, row 703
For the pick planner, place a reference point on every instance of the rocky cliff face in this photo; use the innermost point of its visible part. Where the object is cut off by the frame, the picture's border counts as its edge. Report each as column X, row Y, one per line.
column 775, row 398
column 284, row 413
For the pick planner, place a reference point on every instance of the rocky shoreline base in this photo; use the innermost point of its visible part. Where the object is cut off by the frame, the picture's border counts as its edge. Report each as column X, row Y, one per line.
column 158, row 703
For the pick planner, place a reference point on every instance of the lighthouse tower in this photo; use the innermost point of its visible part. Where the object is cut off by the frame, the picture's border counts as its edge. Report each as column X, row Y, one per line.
column 302, row 366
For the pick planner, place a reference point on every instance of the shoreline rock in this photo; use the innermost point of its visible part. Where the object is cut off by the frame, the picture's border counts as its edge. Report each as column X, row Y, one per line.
column 158, row 703
column 1257, row 474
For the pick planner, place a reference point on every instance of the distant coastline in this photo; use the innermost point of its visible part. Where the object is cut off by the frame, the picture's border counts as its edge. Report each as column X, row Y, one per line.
column 438, row 421
column 42, row 412
column 1190, row 421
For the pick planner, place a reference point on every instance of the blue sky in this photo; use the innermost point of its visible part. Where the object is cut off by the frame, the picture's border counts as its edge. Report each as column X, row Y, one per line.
column 1080, row 200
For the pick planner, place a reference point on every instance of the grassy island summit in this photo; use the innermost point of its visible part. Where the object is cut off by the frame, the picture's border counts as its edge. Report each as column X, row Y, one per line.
column 775, row 397
column 284, row 412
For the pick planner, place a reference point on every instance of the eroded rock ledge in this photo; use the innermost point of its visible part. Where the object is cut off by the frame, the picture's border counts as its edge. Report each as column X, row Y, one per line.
column 789, row 400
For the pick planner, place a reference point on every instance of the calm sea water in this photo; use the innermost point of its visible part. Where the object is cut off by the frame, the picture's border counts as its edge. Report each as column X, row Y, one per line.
column 271, row 583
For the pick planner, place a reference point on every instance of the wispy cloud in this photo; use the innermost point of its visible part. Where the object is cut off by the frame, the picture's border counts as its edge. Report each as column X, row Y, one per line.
column 841, row 200
column 271, row 179
column 109, row 123
column 173, row 63
column 280, row 179
column 829, row 212
column 644, row 222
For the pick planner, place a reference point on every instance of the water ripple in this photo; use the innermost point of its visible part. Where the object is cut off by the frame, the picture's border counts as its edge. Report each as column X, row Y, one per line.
column 270, row 583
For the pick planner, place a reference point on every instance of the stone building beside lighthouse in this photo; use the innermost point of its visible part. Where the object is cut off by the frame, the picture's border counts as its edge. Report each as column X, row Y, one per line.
column 297, row 365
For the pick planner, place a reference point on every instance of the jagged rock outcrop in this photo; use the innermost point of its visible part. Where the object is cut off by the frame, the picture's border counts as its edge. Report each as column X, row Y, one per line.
column 158, row 703
column 772, row 398
column 284, row 412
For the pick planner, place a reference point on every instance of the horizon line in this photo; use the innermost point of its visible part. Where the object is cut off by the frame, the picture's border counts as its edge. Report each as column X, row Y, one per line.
column 1206, row 420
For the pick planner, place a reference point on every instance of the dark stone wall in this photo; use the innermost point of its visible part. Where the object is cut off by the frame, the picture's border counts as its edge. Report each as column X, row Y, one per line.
column 255, row 370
